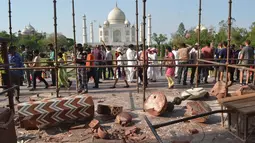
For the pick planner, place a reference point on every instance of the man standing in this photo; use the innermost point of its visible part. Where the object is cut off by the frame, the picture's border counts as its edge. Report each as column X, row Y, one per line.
column 207, row 52
column 82, row 72
column 131, row 56
column 223, row 56
column 109, row 58
column 26, row 57
column 98, row 58
column 15, row 59
column 193, row 60
column 216, row 57
column 246, row 57
column 152, row 71
column 183, row 54
column 52, row 59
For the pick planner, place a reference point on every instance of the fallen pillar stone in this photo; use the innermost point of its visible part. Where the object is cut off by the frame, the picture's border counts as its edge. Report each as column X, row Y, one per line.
column 219, row 90
column 109, row 109
column 50, row 112
column 156, row 104
column 124, row 119
column 196, row 108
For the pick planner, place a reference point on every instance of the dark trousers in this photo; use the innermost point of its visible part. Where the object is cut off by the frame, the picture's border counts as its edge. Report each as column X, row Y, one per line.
column 237, row 74
column 97, row 72
column 193, row 74
column 83, row 80
column 53, row 76
column 140, row 74
column 182, row 70
column 205, row 72
column 38, row 74
column 110, row 70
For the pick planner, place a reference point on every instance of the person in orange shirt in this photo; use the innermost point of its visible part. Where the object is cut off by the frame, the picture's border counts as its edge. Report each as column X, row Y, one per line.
column 90, row 62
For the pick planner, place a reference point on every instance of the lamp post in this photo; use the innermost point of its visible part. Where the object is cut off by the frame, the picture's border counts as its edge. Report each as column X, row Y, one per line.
column 229, row 42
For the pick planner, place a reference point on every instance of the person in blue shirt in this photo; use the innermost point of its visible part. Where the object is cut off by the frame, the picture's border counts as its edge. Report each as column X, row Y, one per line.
column 216, row 57
column 52, row 58
column 16, row 75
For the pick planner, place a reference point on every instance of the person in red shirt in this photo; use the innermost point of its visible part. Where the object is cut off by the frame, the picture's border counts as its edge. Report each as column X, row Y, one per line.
column 208, row 53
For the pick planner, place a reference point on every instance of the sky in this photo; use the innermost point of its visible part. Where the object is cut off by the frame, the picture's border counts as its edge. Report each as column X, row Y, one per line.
column 166, row 14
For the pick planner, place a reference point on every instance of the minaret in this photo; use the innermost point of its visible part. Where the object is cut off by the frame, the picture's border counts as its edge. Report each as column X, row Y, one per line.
column 91, row 33
column 149, row 30
column 85, row 40
column 141, row 32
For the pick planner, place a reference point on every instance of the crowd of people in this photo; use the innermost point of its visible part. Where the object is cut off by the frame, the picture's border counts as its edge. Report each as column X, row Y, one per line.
column 176, row 61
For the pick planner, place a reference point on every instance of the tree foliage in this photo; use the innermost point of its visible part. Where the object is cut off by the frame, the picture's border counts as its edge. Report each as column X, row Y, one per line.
column 159, row 39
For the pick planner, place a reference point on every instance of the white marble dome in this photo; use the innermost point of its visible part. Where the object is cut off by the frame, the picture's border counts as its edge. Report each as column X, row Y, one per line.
column 127, row 22
column 116, row 16
column 106, row 22
column 28, row 30
column 202, row 28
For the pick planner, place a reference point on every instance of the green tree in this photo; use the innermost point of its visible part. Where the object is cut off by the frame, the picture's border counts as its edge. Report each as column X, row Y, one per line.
column 4, row 34
column 159, row 39
column 251, row 34
column 181, row 30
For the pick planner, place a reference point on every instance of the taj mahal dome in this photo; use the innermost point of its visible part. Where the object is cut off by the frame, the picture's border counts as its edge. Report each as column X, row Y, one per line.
column 116, row 30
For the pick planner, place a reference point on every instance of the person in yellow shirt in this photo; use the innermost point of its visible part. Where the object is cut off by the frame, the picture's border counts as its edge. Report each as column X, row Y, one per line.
column 65, row 58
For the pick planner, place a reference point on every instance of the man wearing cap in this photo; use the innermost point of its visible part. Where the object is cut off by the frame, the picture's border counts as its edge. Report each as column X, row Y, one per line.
column 152, row 70
column 131, row 56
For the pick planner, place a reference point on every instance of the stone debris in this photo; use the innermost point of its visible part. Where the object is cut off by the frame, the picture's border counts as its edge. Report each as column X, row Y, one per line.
column 94, row 124
column 219, row 90
column 193, row 131
column 112, row 110
column 102, row 133
column 156, row 104
column 196, row 108
column 245, row 90
column 124, row 119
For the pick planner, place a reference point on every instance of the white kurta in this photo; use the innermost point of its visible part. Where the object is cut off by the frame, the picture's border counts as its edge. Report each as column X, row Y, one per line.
column 175, row 52
column 152, row 71
column 131, row 54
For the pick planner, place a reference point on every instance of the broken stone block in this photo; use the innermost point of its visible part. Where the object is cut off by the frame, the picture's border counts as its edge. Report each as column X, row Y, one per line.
column 219, row 90
column 112, row 110
column 94, row 124
column 131, row 130
column 245, row 90
column 102, row 133
column 124, row 119
column 196, row 108
column 156, row 104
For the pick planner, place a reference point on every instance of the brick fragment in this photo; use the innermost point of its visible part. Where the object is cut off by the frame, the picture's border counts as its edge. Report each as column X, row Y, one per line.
column 94, row 124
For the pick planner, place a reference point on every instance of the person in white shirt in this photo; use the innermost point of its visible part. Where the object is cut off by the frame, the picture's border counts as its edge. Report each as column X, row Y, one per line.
column 152, row 71
column 193, row 60
column 131, row 54
column 109, row 58
column 175, row 52
column 120, row 71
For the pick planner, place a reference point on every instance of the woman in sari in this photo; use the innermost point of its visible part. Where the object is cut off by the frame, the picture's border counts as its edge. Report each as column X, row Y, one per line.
column 62, row 74
column 170, row 70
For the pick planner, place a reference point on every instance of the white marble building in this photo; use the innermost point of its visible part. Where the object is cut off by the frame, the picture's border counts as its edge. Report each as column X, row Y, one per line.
column 116, row 30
